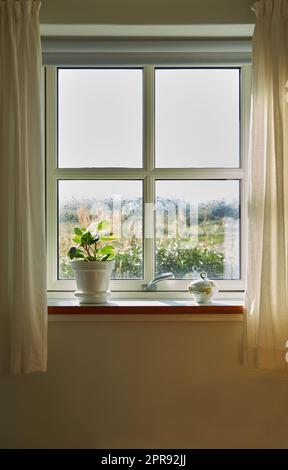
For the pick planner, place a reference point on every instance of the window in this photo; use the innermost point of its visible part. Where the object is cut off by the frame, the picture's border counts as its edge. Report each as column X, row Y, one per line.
column 160, row 153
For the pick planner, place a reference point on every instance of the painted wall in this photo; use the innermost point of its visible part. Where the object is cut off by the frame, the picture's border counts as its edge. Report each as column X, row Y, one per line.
column 146, row 11
column 157, row 385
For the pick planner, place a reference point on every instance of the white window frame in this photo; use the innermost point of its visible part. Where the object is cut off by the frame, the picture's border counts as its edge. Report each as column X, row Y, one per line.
column 148, row 174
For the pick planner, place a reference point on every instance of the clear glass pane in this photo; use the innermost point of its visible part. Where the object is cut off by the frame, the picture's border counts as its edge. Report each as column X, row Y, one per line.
column 197, row 118
column 198, row 228
column 100, row 118
column 81, row 202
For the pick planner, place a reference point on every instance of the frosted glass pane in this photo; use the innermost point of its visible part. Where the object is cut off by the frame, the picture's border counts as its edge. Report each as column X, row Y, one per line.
column 100, row 118
column 198, row 225
column 197, row 118
column 119, row 202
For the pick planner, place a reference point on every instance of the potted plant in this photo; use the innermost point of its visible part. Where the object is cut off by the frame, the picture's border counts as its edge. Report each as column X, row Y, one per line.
column 92, row 261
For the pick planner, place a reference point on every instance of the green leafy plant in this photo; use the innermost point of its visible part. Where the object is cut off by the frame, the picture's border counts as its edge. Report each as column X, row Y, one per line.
column 94, row 243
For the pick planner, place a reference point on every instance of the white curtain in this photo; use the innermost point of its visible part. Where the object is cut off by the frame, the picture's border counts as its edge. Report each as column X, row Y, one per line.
column 23, row 307
column 266, row 317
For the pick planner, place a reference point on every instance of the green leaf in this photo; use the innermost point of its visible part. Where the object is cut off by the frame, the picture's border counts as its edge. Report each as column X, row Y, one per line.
column 108, row 249
column 87, row 239
column 78, row 231
column 75, row 253
column 105, row 258
column 72, row 252
column 76, row 239
column 108, row 238
column 79, row 255
column 103, row 225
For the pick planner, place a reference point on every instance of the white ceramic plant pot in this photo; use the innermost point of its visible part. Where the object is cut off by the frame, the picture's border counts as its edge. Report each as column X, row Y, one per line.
column 92, row 280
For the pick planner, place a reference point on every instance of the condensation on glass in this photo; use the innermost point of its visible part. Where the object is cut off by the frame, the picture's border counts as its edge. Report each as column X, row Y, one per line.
column 198, row 228
column 81, row 202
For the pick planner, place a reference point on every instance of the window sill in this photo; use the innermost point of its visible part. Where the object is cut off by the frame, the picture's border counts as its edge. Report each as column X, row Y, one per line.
column 144, row 310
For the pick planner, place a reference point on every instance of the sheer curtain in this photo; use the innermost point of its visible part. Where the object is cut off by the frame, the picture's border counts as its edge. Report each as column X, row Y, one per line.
column 23, row 308
column 266, row 317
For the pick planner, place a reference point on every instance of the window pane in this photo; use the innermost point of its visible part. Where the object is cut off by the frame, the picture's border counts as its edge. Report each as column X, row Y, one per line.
column 197, row 118
column 100, row 118
column 197, row 225
column 119, row 202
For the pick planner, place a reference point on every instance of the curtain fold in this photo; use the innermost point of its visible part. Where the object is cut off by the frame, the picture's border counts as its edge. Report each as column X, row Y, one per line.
column 23, row 304
column 266, row 316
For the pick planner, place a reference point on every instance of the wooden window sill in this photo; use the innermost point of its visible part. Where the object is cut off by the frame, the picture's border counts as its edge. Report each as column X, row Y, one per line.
column 147, row 307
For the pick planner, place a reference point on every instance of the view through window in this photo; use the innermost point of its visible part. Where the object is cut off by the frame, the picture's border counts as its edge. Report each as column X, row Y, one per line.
column 108, row 169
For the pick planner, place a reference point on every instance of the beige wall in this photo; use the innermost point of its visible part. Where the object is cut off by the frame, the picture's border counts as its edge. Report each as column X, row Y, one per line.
column 158, row 385
column 146, row 11
column 145, row 385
